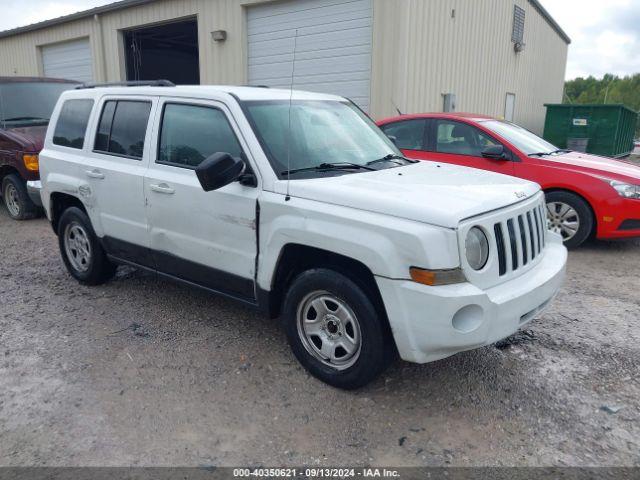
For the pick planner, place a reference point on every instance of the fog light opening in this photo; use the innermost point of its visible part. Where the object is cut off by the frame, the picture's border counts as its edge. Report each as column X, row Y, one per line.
column 468, row 318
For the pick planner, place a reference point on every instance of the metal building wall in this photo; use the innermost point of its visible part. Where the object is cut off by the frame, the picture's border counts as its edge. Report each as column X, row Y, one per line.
column 420, row 51
column 425, row 50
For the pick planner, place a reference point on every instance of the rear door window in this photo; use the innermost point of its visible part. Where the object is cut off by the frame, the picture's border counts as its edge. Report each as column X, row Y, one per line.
column 191, row 133
column 123, row 128
column 71, row 126
column 408, row 134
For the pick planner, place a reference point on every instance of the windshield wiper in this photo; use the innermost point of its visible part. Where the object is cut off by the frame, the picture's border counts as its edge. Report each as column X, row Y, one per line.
column 392, row 157
column 546, row 154
column 329, row 166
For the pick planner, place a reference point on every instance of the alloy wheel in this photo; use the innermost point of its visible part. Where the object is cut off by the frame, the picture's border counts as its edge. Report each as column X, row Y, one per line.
column 563, row 219
column 77, row 247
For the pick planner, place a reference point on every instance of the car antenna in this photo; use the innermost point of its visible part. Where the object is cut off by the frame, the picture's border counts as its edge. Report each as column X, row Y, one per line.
column 293, row 75
column 396, row 107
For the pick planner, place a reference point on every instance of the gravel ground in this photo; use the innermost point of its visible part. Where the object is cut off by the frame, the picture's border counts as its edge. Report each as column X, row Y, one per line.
column 142, row 371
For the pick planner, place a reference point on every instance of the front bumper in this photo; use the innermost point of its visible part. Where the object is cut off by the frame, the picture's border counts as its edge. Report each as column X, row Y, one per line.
column 33, row 189
column 430, row 323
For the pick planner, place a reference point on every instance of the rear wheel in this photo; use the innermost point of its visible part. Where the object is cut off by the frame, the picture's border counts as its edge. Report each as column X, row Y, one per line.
column 16, row 198
column 570, row 216
column 81, row 251
column 335, row 330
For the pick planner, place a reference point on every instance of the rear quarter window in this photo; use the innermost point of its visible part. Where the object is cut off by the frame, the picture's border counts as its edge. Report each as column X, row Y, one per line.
column 71, row 126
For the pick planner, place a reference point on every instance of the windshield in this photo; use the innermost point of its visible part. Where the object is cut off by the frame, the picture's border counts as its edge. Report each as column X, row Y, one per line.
column 322, row 132
column 519, row 137
column 29, row 103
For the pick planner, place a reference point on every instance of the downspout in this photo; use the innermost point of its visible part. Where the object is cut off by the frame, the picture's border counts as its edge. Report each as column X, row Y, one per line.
column 102, row 71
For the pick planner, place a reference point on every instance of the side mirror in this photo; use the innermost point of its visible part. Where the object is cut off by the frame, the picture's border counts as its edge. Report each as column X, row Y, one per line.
column 393, row 139
column 495, row 152
column 219, row 170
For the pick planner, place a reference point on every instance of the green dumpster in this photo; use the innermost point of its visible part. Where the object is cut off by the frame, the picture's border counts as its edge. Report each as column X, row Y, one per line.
column 606, row 130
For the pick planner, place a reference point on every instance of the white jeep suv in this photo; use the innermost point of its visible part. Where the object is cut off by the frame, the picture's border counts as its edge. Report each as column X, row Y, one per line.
column 297, row 204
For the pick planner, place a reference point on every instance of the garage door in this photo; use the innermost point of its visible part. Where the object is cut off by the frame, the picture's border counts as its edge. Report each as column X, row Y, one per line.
column 71, row 60
column 333, row 52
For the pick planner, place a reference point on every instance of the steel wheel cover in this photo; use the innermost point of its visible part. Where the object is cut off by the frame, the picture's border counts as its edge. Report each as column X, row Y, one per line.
column 329, row 330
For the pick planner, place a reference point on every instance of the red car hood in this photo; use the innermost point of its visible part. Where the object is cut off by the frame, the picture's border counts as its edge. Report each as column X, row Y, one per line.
column 603, row 166
column 30, row 138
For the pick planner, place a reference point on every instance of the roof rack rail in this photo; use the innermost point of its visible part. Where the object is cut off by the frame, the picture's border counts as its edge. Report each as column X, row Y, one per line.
column 137, row 83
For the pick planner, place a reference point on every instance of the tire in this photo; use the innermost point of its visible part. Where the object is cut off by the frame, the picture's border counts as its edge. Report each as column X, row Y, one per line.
column 579, row 213
column 81, row 250
column 16, row 199
column 356, row 323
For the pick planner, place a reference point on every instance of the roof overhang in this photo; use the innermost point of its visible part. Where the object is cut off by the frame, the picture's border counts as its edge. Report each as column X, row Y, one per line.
column 134, row 3
column 547, row 16
column 75, row 16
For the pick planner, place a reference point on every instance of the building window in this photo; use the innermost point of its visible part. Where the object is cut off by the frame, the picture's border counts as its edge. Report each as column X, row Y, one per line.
column 518, row 25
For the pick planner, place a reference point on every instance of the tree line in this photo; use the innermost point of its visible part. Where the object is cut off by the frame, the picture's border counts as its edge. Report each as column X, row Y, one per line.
column 608, row 89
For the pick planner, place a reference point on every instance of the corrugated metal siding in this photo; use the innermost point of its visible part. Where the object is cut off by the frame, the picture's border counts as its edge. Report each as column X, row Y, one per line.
column 419, row 52
column 432, row 51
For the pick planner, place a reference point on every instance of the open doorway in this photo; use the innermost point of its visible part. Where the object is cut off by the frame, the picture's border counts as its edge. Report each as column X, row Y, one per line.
column 168, row 51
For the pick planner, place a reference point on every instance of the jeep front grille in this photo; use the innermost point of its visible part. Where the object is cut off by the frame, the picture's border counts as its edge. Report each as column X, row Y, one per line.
column 520, row 239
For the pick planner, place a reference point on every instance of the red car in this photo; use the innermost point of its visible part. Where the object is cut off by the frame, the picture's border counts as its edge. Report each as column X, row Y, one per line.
column 586, row 195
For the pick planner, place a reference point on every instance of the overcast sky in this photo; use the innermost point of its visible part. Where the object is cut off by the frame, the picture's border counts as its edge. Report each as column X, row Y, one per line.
column 605, row 33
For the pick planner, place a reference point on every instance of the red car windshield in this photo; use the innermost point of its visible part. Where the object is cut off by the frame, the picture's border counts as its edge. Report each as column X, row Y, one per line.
column 29, row 103
column 521, row 138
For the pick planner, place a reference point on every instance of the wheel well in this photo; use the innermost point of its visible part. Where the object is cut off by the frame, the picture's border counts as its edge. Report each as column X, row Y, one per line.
column 59, row 203
column 7, row 170
column 295, row 259
column 593, row 213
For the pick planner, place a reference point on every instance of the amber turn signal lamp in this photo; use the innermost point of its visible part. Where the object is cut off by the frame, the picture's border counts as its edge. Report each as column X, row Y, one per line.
column 437, row 277
column 31, row 162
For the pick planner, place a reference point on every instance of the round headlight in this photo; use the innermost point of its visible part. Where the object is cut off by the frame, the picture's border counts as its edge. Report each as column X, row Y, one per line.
column 477, row 247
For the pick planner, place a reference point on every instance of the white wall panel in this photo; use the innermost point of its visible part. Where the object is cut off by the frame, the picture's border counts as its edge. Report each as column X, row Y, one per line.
column 333, row 53
column 71, row 60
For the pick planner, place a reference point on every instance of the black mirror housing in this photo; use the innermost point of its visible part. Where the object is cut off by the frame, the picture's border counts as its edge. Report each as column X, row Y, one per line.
column 219, row 170
column 495, row 152
column 393, row 139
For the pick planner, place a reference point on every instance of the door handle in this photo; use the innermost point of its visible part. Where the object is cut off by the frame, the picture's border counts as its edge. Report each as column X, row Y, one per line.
column 162, row 188
column 95, row 173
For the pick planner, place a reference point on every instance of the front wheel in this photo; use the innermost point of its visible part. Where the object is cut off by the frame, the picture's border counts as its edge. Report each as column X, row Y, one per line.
column 570, row 216
column 335, row 330
column 16, row 198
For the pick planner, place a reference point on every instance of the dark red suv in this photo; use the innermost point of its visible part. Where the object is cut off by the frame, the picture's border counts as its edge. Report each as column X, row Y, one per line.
column 26, row 105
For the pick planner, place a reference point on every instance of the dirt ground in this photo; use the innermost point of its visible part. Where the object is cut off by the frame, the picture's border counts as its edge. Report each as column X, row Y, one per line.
column 145, row 372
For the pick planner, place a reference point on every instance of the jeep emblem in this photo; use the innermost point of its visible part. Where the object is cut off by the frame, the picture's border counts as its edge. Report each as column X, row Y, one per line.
column 520, row 194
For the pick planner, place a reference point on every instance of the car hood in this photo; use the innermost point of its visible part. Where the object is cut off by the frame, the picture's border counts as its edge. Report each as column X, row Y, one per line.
column 426, row 192
column 31, row 139
column 601, row 166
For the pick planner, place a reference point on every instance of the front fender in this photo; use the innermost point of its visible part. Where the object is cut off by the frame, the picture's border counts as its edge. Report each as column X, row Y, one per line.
column 387, row 245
